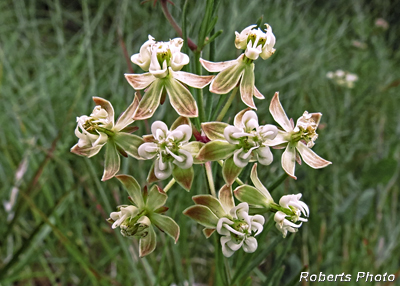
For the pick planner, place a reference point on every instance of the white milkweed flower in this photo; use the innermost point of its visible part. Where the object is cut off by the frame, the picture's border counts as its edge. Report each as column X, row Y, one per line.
column 250, row 138
column 294, row 208
column 343, row 78
column 164, row 61
column 167, row 148
column 122, row 218
column 239, row 230
column 297, row 139
column 240, row 72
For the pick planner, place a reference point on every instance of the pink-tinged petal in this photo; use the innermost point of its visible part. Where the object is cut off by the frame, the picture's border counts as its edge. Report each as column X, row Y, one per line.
column 208, row 232
column 202, row 215
column 217, row 67
column 310, row 158
column 212, row 203
column 140, row 81
column 167, row 225
column 252, row 196
column 227, row 79
column 86, row 151
column 238, row 118
column 192, row 80
column 129, row 143
column 226, row 198
column 216, row 150
column 133, row 189
column 214, row 130
column 257, row 183
column 156, row 198
column 247, row 86
column 181, row 120
column 150, row 101
column 105, row 104
column 112, row 162
column 148, row 243
column 230, row 171
column 289, row 160
column 184, row 177
column 258, row 94
column 126, row 117
column 181, row 99
column 278, row 113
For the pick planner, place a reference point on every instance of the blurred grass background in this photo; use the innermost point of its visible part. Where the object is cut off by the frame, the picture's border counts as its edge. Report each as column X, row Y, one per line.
column 56, row 55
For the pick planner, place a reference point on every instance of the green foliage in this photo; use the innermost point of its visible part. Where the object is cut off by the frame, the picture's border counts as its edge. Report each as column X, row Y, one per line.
column 56, row 55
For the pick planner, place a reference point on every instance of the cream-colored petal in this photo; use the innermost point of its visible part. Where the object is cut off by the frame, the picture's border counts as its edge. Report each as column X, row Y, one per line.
column 247, row 86
column 217, row 67
column 289, row 160
column 310, row 158
column 278, row 113
column 192, row 80
column 140, row 81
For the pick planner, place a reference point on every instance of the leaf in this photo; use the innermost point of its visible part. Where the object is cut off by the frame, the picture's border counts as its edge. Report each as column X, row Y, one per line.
column 112, row 161
column 148, row 243
column 211, row 202
column 184, row 177
column 230, row 171
column 167, row 225
column 203, row 215
column 133, row 189
column 216, row 150
column 129, row 143
column 214, row 130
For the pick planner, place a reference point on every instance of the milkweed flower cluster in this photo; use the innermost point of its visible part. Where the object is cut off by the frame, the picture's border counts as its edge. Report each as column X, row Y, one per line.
column 236, row 212
column 343, row 78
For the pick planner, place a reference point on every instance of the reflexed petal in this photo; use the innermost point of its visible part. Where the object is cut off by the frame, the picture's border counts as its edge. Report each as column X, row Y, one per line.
column 252, row 196
column 247, row 86
column 221, row 226
column 241, row 39
column 226, row 198
column 257, row 183
column 264, row 155
column 250, row 244
column 87, row 151
column 105, row 104
column 167, row 225
column 216, row 150
column 230, row 171
column 211, row 202
column 184, row 132
column 140, row 81
column 250, row 120
column 258, row 94
column 192, row 80
column 217, row 67
column 148, row 243
column 288, row 160
column 178, row 60
column 162, row 170
column 227, row 79
column 133, row 189
column 237, row 121
column 112, row 162
column 278, row 113
column 234, row 245
column 203, row 215
column 184, row 177
column 129, row 143
column 229, row 134
column 156, row 198
column 257, row 222
column 214, row 130
column 159, row 130
column 101, row 140
column 126, row 117
column 242, row 158
column 310, row 158
column 282, row 137
column 148, row 150
column 187, row 159
column 150, row 101
column 181, row 99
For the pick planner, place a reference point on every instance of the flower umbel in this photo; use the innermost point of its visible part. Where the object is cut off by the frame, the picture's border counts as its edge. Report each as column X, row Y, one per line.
column 164, row 60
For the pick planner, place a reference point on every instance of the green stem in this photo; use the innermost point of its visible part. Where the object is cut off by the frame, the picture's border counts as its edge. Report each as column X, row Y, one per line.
column 277, row 182
column 239, row 181
column 227, row 105
column 227, row 270
column 169, row 185
column 210, row 179
column 200, row 99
